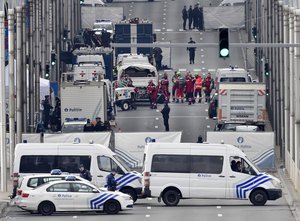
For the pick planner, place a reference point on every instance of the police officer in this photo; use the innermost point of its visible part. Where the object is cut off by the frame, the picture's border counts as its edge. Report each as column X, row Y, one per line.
column 88, row 127
column 191, row 51
column 84, row 173
column 184, row 17
column 165, row 113
column 190, row 15
column 99, row 125
column 111, row 182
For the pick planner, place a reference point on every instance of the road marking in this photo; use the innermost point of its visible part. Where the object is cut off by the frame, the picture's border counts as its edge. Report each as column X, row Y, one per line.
column 164, row 23
column 169, row 29
column 218, row 207
column 203, row 68
column 206, row 110
column 164, row 13
column 202, row 62
column 207, row 118
column 201, row 33
column 208, row 126
column 131, row 6
column 147, row 216
column 163, row 33
column 74, row 217
column 163, row 28
column 201, row 49
column 201, row 39
column 202, row 55
column 164, row 18
column 211, row 70
column 149, row 198
column 220, row 215
column 157, row 110
column 163, row 39
column 181, row 30
column 165, row 9
column 129, row 14
column 157, row 118
column 148, row 207
column 155, row 127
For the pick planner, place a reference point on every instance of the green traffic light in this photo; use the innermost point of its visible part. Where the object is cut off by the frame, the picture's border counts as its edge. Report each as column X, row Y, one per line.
column 224, row 52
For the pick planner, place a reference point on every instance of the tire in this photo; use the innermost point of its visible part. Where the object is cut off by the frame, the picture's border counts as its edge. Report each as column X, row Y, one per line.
column 258, row 197
column 46, row 208
column 112, row 207
column 125, row 106
column 131, row 193
column 171, row 197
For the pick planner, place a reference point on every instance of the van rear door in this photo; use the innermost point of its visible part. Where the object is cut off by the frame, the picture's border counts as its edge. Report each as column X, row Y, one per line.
column 208, row 175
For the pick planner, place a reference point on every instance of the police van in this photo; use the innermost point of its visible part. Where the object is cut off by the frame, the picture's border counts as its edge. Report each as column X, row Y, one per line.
column 41, row 158
column 213, row 171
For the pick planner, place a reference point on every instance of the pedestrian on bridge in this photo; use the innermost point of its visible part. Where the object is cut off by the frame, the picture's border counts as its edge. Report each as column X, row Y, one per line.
column 191, row 51
column 165, row 113
column 190, row 14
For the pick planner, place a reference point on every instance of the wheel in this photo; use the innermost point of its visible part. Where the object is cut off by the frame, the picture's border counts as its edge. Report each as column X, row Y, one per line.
column 258, row 197
column 171, row 197
column 46, row 208
column 131, row 193
column 125, row 106
column 112, row 207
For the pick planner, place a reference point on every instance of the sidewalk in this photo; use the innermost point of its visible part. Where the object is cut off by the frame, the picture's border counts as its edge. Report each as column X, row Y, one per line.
column 4, row 198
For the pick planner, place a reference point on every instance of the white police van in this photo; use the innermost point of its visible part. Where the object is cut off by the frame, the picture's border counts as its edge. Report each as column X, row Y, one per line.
column 190, row 170
column 41, row 158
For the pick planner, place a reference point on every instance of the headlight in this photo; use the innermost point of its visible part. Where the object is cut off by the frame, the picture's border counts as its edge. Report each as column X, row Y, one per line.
column 276, row 184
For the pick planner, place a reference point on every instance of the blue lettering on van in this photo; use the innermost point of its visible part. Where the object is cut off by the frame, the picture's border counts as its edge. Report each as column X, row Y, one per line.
column 250, row 184
column 126, row 179
column 98, row 202
column 204, row 175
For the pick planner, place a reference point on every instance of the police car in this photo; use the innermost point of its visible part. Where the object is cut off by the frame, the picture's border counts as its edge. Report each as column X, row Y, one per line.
column 73, row 195
column 31, row 182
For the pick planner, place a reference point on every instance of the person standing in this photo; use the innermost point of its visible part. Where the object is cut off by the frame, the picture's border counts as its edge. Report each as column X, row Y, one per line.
column 175, row 85
column 84, row 173
column 47, row 108
column 184, row 17
column 198, row 87
column 111, row 182
column 191, row 51
column 207, row 87
column 190, row 84
column 201, row 19
column 165, row 113
column 152, row 91
column 190, row 15
column 195, row 16
column 88, row 127
column 180, row 89
column 99, row 125
column 164, row 86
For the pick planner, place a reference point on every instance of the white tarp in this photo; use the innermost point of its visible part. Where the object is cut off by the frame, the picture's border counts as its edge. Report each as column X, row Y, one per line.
column 258, row 146
column 130, row 146
column 98, row 138
column 31, row 138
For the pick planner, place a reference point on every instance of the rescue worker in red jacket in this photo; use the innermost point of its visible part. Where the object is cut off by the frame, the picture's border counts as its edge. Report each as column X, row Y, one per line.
column 189, row 85
column 175, row 85
column 198, row 87
column 152, row 91
column 164, row 86
column 207, row 87
column 180, row 90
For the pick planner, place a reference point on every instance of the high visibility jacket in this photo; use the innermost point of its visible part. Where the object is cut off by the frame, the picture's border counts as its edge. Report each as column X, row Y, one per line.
column 199, row 83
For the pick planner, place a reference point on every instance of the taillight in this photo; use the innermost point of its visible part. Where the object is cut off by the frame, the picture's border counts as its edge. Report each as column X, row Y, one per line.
column 147, row 179
column 19, row 192
column 25, row 195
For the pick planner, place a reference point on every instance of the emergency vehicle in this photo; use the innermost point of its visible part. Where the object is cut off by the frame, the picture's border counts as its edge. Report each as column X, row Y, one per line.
column 173, row 172
column 73, row 195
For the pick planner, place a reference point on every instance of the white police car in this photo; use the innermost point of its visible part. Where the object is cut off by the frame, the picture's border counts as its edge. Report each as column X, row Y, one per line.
column 72, row 195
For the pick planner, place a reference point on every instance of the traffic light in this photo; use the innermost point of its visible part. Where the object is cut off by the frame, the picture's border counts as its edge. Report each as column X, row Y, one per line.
column 224, row 42
column 81, row 1
column 267, row 69
column 53, row 58
column 47, row 71
column 65, row 34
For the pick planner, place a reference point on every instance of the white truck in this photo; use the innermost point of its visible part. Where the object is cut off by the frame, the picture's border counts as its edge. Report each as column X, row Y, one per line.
column 242, row 103
column 84, row 100
column 139, row 70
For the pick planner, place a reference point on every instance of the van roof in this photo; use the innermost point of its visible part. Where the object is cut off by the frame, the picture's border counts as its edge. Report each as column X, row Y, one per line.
column 231, row 71
column 207, row 146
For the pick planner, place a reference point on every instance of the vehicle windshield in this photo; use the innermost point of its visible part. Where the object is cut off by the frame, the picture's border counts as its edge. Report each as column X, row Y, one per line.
column 138, row 72
column 103, row 26
column 233, row 79
column 252, row 165
column 123, row 163
column 72, row 128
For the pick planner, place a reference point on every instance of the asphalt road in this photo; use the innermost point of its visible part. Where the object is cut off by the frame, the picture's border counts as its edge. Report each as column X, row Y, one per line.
column 191, row 210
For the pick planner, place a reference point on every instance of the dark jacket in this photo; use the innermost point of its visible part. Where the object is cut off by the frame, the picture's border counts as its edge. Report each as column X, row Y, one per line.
column 184, row 14
column 111, row 182
column 166, row 111
column 100, row 126
column 85, row 174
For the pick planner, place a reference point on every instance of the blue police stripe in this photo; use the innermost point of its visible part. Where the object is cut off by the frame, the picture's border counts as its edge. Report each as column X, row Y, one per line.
column 128, row 181
column 112, row 197
column 250, row 184
column 122, row 177
column 97, row 198
column 251, row 188
column 247, row 181
column 99, row 201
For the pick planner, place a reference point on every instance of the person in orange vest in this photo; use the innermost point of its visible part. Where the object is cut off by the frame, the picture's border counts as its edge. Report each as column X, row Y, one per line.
column 189, row 85
column 198, row 87
column 175, row 85
column 164, row 86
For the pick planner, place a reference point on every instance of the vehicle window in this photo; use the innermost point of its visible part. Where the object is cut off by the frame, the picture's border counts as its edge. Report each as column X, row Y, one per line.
column 232, row 79
column 239, row 165
column 32, row 182
column 20, row 181
column 45, row 163
column 82, row 188
column 72, row 128
column 122, row 162
column 107, row 164
column 207, row 164
column 171, row 163
column 49, row 179
column 60, row 187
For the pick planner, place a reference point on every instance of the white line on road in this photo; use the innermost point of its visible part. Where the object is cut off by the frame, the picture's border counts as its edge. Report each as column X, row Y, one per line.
column 165, row 9
column 155, row 127
column 207, row 118
column 74, row 217
column 156, row 118
column 157, row 29
column 164, row 23
column 163, row 39
column 201, row 39
column 202, row 55
column 220, row 215
column 148, row 207
column 169, row 29
column 218, row 207
column 202, row 49
column 129, row 14
column 163, row 33
column 206, row 110
column 149, row 198
column 147, row 216
column 164, row 13
column 203, row 68
column 208, row 126
column 202, row 62
column 157, row 110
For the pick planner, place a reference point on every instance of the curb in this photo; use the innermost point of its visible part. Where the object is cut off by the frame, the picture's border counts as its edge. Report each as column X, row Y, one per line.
column 290, row 194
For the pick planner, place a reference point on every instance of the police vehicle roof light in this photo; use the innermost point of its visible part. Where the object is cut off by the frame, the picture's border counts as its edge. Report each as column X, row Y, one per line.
column 56, row 172
column 70, row 178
